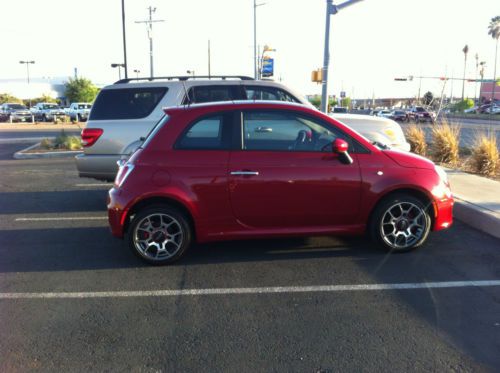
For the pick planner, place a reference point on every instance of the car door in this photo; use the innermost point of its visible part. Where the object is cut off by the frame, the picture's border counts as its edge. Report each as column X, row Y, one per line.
column 285, row 174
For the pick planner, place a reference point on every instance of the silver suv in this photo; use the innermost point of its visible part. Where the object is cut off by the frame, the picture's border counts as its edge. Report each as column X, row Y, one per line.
column 126, row 111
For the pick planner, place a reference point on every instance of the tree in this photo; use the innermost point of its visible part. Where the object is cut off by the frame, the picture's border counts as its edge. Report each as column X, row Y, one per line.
column 494, row 31
column 316, row 101
column 345, row 102
column 80, row 90
column 428, row 97
column 5, row 97
column 463, row 105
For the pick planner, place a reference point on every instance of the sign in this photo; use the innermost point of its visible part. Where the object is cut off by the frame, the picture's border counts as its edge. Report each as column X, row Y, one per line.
column 342, row 94
column 267, row 67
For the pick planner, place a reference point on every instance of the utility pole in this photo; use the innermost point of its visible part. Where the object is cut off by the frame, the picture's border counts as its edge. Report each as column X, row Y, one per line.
column 124, row 40
column 465, row 50
column 209, row 74
column 475, row 87
column 150, row 22
column 28, row 63
column 255, row 58
column 331, row 9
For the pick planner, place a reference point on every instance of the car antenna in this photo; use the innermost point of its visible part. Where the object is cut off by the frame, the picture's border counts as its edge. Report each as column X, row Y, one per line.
column 186, row 92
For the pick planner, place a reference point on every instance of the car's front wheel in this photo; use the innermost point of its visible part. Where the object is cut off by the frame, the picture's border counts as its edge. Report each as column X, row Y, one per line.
column 160, row 234
column 400, row 223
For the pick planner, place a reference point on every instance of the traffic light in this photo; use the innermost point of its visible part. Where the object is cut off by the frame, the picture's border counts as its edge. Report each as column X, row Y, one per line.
column 401, row 79
column 317, row 76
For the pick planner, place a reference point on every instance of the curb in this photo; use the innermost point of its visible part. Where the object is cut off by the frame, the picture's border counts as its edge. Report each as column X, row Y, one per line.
column 477, row 217
column 21, row 140
column 21, row 155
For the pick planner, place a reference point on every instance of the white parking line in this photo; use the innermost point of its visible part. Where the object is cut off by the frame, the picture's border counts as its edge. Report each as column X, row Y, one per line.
column 62, row 219
column 256, row 290
column 94, row 185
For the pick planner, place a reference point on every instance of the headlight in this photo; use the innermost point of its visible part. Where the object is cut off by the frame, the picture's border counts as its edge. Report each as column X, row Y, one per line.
column 442, row 190
column 442, row 174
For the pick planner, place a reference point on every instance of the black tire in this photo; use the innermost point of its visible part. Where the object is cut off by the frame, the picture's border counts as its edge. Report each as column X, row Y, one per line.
column 147, row 251
column 44, row 118
column 380, row 227
column 77, row 117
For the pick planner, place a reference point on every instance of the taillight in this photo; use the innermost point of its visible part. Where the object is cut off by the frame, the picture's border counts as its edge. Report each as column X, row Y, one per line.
column 90, row 136
column 124, row 169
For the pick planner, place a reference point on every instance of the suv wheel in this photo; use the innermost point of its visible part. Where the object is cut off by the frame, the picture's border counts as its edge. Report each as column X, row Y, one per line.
column 400, row 223
column 159, row 234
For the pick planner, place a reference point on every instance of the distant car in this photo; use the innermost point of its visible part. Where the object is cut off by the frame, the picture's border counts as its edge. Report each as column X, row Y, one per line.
column 47, row 111
column 376, row 129
column 420, row 114
column 14, row 113
column 339, row 109
column 384, row 113
column 398, row 116
column 79, row 111
column 471, row 110
column 493, row 110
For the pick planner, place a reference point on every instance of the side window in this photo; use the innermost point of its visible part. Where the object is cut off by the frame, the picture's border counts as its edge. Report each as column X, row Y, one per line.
column 211, row 93
column 126, row 103
column 285, row 131
column 206, row 133
column 268, row 93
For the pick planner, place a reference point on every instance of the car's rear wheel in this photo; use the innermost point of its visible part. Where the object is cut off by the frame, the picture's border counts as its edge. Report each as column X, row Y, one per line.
column 400, row 223
column 160, row 234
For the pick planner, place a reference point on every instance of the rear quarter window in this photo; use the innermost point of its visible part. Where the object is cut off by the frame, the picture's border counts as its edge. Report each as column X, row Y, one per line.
column 126, row 103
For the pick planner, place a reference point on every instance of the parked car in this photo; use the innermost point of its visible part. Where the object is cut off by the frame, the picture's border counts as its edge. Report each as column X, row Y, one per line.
column 339, row 109
column 379, row 129
column 245, row 170
column 494, row 109
column 399, row 116
column 384, row 113
column 11, row 112
column 471, row 110
column 126, row 111
column 47, row 111
column 420, row 114
column 79, row 111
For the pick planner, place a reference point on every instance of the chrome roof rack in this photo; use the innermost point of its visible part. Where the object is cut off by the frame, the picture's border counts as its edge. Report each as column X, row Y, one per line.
column 183, row 78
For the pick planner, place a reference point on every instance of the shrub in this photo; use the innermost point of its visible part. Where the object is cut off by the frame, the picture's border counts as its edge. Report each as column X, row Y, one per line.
column 445, row 146
column 464, row 105
column 485, row 157
column 416, row 137
column 73, row 143
column 46, row 144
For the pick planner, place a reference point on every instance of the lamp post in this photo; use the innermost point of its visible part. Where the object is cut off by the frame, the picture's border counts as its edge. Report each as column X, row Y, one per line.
column 255, row 58
column 481, row 74
column 124, row 40
column 119, row 65
column 465, row 50
column 28, row 63
column 136, row 71
column 331, row 9
column 190, row 72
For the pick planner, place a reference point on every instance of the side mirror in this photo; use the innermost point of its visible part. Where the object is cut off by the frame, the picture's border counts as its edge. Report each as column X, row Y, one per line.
column 341, row 147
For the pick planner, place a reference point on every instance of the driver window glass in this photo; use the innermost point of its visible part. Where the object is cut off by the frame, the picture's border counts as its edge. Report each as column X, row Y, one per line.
column 281, row 131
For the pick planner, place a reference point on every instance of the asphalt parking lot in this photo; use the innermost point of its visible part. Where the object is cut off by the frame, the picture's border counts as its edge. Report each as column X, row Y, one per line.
column 73, row 298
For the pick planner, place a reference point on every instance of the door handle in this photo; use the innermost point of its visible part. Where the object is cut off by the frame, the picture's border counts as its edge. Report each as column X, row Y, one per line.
column 244, row 173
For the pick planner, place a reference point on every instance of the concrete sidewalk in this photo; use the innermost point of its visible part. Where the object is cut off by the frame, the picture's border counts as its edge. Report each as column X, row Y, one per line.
column 477, row 201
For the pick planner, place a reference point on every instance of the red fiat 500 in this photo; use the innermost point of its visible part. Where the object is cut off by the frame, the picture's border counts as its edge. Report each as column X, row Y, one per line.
column 244, row 170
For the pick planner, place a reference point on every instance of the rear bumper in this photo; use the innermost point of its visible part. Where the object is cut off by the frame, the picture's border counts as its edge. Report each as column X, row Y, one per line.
column 101, row 167
column 443, row 214
column 117, row 212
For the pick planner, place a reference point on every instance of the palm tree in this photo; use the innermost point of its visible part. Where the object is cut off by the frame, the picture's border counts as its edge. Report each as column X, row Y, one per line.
column 494, row 31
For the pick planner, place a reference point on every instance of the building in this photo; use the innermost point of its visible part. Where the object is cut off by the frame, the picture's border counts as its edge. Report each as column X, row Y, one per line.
column 486, row 92
column 53, row 87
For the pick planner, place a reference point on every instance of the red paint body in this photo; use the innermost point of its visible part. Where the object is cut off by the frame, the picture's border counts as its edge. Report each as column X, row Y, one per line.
column 295, row 193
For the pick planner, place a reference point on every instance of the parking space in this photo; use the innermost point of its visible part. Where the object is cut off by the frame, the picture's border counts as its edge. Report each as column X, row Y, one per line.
column 72, row 297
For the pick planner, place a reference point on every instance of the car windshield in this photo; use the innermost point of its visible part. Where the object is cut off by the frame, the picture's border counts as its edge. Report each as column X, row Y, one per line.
column 50, row 106
column 17, row 107
column 420, row 109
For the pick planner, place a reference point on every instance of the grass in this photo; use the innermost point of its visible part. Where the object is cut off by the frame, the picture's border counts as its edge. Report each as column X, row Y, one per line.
column 416, row 137
column 62, row 142
column 445, row 145
column 485, row 158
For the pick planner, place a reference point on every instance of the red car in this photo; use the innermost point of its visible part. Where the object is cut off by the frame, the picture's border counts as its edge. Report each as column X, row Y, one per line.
column 243, row 170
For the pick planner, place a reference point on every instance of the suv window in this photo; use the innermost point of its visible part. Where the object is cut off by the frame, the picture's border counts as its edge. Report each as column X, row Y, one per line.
column 285, row 131
column 212, row 93
column 126, row 103
column 268, row 93
column 205, row 133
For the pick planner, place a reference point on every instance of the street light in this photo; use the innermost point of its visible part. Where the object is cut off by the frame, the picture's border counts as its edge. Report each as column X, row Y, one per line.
column 28, row 63
column 331, row 9
column 119, row 65
column 137, row 73
column 255, row 68
column 190, row 72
